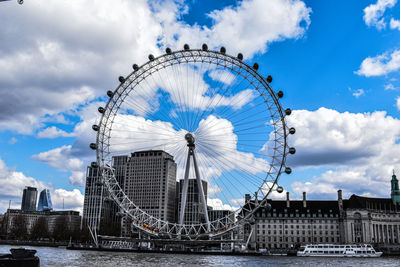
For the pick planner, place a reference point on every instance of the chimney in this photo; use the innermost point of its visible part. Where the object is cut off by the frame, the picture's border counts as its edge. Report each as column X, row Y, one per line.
column 340, row 199
column 287, row 200
column 304, row 200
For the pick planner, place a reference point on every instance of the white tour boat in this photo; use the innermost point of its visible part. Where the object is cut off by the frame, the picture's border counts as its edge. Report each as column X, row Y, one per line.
column 331, row 250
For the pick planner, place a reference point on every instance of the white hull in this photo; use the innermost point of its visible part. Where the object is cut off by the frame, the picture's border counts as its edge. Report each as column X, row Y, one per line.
column 377, row 255
column 341, row 251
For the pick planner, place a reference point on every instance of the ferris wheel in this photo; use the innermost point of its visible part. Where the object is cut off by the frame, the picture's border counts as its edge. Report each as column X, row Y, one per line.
column 219, row 119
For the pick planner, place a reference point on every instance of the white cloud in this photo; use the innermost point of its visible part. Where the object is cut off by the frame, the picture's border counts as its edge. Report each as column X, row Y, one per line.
column 359, row 150
column 390, row 86
column 77, row 178
column 380, row 65
column 13, row 182
column 53, row 132
column 61, row 67
column 12, row 141
column 63, row 159
column 359, row 92
column 257, row 22
column 398, row 103
column 394, row 24
column 373, row 14
column 217, row 204
column 67, row 199
column 59, row 158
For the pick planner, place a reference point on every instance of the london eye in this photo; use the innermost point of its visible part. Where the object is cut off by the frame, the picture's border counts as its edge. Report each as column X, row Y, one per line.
column 219, row 119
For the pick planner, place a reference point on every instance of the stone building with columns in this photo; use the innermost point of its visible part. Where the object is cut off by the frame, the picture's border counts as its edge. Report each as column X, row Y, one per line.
column 290, row 223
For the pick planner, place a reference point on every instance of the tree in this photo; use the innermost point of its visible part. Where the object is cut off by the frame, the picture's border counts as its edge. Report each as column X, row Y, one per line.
column 19, row 230
column 61, row 231
column 40, row 229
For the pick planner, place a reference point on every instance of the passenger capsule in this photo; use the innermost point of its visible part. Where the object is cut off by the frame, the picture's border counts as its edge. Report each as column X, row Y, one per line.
column 93, row 146
column 94, row 164
column 110, row 93
column 288, row 111
column 279, row 189
column 95, row 127
column 204, row 47
column 135, row 67
column 269, row 79
column 292, row 150
column 168, row 51
column 222, row 50
column 280, row 94
column 101, row 110
column 107, row 199
column 267, row 206
column 121, row 79
column 186, row 47
column 255, row 66
column 240, row 56
column 151, row 57
column 292, row 130
column 120, row 214
column 288, row 170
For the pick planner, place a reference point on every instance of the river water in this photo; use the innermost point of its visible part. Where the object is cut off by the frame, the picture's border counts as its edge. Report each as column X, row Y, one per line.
column 64, row 257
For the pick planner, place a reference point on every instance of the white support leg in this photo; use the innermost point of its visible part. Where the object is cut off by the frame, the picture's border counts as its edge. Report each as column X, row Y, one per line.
column 200, row 186
column 185, row 188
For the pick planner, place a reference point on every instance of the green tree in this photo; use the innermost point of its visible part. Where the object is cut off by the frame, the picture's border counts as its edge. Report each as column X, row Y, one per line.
column 61, row 231
column 40, row 229
column 19, row 230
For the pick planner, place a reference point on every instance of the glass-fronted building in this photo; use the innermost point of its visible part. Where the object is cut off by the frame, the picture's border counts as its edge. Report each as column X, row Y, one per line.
column 45, row 201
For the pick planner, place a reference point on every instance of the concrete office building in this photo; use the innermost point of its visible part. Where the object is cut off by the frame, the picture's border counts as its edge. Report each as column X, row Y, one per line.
column 150, row 182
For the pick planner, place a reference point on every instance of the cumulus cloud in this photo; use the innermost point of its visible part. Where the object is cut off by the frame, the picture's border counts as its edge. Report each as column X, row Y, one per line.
column 390, row 86
column 373, row 14
column 62, row 66
column 380, row 65
column 360, row 151
column 62, row 158
column 359, row 92
column 394, row 24
column 53, row 132
column 285, row 19
column 13, row 182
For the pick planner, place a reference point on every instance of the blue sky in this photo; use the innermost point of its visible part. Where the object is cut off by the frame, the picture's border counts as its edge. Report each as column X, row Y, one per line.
column 337, row 62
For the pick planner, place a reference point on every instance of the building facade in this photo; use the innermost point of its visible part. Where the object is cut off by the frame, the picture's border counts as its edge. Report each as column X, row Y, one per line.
column 194, row 212
column 290, row 223
column 45, row 203
column 150, row 182
column 29, row 198
column 73, row 219
column 100, row 212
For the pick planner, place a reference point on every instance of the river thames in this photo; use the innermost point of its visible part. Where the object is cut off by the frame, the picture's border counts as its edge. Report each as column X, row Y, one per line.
column 63, row 257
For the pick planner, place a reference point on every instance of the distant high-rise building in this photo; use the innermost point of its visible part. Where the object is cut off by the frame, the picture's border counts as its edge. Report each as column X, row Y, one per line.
column 29, row 198
column 194, row 212
column 45, row 201
column 99, row 210
column 150, row 182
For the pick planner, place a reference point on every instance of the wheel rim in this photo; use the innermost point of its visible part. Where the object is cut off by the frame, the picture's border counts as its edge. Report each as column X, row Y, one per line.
column 135, row 86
